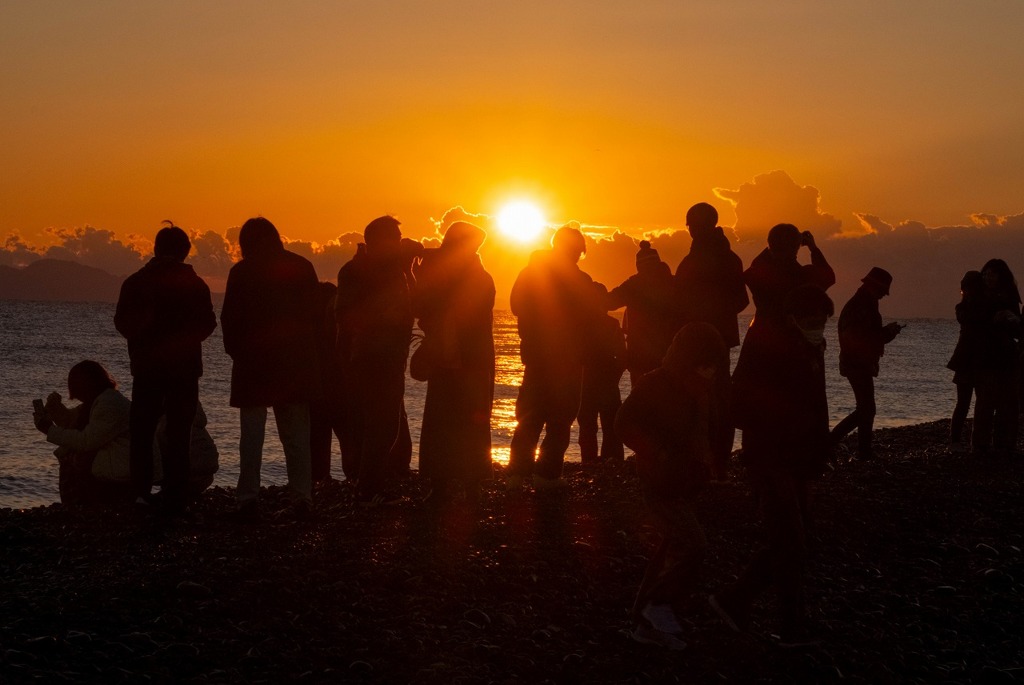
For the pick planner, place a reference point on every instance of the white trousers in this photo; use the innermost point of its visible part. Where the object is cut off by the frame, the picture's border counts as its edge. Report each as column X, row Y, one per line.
column 293, row 426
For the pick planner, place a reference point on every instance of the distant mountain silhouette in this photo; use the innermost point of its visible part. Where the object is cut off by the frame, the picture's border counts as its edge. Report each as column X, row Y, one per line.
column 58, row 280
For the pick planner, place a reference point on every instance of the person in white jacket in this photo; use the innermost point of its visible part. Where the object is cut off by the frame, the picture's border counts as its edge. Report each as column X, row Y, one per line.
column 92, row 440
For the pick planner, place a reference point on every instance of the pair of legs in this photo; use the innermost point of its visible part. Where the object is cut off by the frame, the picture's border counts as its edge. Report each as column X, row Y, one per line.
column 378, row 426
column 672, row 571
column 599, row 402
column 996, row 408
column 964, row 394
column 324, row 423
column 862, row 418
column 293, row 427
column 723, row 432
column 548, row 402
column 178, row 399
column 780, row 561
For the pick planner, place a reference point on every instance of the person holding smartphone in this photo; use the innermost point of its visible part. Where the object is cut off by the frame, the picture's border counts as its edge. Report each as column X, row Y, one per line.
column 92, row 438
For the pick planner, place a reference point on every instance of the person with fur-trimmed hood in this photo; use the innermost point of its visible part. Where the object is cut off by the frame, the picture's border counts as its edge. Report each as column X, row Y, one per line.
column 665, row 421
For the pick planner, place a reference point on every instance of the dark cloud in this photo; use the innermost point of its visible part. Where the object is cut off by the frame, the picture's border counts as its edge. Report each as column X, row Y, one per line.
column 774, row 198
column 926, row 262
column 18, row 253
column 86, row 245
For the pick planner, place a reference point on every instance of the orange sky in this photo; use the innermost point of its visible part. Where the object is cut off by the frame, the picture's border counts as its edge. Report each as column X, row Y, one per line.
column 118, row 114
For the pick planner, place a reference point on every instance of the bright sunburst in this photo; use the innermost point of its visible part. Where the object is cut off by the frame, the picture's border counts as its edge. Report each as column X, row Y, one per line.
column 521, row 220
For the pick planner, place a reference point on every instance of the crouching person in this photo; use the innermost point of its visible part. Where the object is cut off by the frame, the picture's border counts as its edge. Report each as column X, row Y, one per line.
column 665, row 421
column 93, row 441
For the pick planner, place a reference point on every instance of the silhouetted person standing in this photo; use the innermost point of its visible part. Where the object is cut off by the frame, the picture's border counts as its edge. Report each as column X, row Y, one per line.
column 781, row 407
column 711, row 289
column 269, row 323
column 454, row 301
column 862, row 341
column 771, row 277
column 665, row 421
column 165, row 313
column 374, row 313
column 996, row 406
column 652, row 315
column 966, row 359
column 555, row 306
column 603, row 364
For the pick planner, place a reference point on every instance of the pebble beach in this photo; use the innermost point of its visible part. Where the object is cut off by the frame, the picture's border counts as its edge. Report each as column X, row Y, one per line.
column 916, row 575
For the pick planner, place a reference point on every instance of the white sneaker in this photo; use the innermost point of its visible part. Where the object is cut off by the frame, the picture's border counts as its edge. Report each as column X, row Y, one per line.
column 662, row 618
column 645, row 634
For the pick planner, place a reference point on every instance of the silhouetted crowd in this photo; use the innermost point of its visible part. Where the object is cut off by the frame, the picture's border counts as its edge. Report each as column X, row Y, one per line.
column 331, row 360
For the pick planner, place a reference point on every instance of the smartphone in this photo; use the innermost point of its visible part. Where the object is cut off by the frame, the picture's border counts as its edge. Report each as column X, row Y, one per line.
column 37, row 405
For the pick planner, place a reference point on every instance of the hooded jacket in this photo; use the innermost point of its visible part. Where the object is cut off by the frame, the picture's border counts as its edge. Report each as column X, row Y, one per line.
column 710, row 284
column 165, row 313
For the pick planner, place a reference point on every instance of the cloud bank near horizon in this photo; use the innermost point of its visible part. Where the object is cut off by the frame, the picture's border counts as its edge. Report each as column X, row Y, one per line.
column 926, row 261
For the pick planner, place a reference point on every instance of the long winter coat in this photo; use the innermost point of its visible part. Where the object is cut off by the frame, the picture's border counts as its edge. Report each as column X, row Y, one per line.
column 779, row 403
column 711, row 286
column 374, row 312
column 862, row 338
column 454, row 299
column 771, row 280
column 972, row 315
column 556, row 307
column 268, row 321
column 165, row 313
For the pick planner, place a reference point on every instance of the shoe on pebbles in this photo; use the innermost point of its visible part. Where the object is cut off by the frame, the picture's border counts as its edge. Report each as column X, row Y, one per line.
column 662, row 618
column 650, row 635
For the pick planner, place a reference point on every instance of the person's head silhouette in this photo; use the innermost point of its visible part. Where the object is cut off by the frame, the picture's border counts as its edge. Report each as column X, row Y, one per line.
column 382, row 236
column 463, row 237
column 568, row 243
column 87, row 379
column 701, row 219
column 259, row 237
column 172, row 243
column 784, row 241
column 878, row 281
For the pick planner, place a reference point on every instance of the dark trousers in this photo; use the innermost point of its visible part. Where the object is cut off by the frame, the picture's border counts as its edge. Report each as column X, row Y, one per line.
column 964, row 394
column 781, row 560
column 324, row 422
column 600, row 400
column 177, row 398
column 863, row 417
column 722, row 429
column 672, row 571
column 996, row 408
column 381, row 410
column 548, row 401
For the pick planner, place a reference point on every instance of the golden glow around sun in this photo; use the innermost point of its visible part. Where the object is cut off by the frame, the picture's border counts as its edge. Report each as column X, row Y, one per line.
column 521, row 221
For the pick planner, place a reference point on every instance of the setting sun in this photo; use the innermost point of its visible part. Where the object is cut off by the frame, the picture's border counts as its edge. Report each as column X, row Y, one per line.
column 521, row 220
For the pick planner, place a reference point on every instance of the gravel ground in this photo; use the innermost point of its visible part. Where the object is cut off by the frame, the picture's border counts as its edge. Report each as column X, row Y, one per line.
column 915, row 576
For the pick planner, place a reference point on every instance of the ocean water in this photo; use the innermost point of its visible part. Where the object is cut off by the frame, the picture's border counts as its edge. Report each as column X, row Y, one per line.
column 40, row 341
